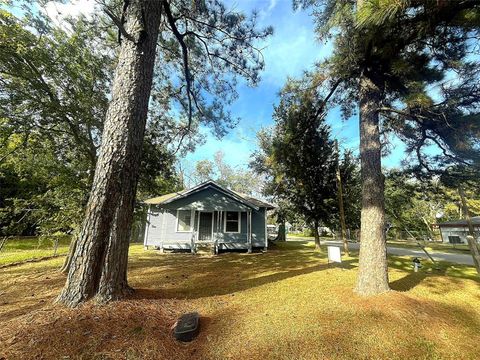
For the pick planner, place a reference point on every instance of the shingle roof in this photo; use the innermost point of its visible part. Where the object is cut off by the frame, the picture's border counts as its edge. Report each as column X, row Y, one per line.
column 234, row 194
column 163, row 198
column 255, row 201
column 461, row 222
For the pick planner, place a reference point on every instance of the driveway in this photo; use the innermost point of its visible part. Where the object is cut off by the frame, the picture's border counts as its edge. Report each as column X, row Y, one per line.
column 440, row 256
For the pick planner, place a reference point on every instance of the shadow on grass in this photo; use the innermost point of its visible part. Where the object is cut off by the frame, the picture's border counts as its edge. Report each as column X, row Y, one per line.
column 408, row 282
column 190, row 276
column 439, row 277
column 392, row 325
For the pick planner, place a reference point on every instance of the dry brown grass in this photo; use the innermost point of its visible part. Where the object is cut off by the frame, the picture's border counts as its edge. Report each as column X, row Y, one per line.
column 285, row 304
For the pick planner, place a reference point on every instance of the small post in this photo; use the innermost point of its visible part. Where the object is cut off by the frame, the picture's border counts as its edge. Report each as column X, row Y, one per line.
column 249, row 231
column 416, row 264
column 55, row 246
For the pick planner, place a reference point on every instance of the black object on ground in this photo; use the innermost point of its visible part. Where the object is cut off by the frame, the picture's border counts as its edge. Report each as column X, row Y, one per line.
column 187, row 327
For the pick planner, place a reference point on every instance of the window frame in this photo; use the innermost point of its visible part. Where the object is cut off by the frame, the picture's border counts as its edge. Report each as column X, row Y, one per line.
column 177, row 223
column 239, row 223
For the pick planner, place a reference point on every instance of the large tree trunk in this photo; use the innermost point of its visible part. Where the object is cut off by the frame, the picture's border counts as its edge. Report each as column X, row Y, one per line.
column 316, row 235
column 373, row 269
column 281, row 236
column 99, row 264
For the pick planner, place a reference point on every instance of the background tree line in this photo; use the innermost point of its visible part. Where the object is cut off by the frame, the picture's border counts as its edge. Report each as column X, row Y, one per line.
column 54, row 90
column 172, row 66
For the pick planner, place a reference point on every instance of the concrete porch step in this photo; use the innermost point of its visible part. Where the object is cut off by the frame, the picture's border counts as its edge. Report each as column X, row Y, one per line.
column 205, row 248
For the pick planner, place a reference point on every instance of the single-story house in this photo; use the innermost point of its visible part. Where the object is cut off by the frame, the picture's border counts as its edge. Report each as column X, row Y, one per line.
column 456, row 231
column 207, row 215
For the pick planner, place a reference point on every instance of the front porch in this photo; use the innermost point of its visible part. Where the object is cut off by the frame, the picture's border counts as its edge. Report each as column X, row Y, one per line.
column 221, row 229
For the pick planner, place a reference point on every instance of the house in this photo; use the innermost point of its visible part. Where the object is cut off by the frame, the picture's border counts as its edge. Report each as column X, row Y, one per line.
column 456, row 231
column 207, row 215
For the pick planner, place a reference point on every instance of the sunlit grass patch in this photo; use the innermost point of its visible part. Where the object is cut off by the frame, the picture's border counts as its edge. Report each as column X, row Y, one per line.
column 28, row 248
column 288, row 303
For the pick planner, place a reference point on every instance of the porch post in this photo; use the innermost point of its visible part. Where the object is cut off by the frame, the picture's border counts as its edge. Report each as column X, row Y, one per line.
column 194, row 233
column 249, row 230
column 219, row 227
column 215, row 231
column 147, row 227
column 266, row 233
column 162, row 231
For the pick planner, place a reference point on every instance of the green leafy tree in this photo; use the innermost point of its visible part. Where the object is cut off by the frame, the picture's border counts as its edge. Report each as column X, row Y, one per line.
column 387, row 57
column 54, row 91
column 305, row 158
column 53, row 97
column 264, row 164
column 350, row 174
column 234, row 178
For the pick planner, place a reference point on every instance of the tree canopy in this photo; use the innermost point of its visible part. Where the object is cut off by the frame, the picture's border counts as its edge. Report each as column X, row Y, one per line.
column 299, row 158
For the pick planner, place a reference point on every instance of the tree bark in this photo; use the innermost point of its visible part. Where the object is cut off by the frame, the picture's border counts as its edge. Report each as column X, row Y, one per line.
column 472, row 242
column 281, row 236
column 99, row 264
column 316, row 235
column 68, row 259
column 373, row 269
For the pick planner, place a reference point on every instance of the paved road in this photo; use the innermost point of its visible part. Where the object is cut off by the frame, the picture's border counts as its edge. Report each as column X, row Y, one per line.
column 440, row 256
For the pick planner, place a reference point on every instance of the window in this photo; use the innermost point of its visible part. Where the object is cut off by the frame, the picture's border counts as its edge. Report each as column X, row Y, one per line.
column 232, row 222
column 184, row 221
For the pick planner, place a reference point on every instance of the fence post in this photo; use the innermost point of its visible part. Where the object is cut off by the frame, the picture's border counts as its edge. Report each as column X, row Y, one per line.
column 55, row 246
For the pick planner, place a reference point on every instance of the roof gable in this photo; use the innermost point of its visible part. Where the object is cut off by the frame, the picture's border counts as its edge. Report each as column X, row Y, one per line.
column 241, row 198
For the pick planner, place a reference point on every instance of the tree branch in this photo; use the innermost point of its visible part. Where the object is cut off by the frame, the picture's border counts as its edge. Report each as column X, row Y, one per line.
column 119, row 23
column 180, row 37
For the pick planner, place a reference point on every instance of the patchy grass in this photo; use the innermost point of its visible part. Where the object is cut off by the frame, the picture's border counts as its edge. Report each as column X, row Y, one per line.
column 285, row 304
column 27, row 248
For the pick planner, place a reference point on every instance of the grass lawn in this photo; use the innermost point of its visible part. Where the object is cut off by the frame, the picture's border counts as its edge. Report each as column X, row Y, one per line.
column 27, row 248
column 284, row 304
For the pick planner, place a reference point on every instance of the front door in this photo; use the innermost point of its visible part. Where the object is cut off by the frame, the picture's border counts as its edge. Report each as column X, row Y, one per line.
column 205, row 224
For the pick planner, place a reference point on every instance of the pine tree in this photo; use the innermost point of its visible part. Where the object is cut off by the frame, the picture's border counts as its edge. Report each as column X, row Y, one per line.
column 210, row 44
column 386, row 58
column 302, row 158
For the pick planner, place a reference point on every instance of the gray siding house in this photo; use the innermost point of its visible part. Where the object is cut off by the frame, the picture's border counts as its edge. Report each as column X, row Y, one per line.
column 207, row 215
column 456, row 231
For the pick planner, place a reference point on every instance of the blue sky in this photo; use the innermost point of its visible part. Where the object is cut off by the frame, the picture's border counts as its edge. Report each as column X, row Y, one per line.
column 291, row 50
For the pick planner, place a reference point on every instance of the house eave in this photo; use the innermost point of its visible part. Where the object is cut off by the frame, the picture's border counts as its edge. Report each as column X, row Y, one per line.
column 206, row 185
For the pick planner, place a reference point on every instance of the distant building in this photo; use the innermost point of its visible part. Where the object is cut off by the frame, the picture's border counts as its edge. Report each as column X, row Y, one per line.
column 456, row 231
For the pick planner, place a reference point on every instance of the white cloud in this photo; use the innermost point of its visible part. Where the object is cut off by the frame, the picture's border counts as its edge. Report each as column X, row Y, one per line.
column 292, row 49
column 272, row 5
column 58, row 11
